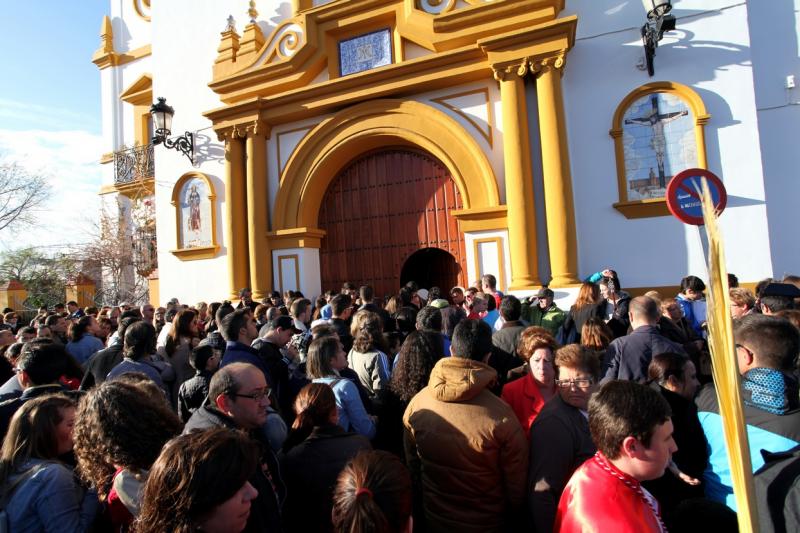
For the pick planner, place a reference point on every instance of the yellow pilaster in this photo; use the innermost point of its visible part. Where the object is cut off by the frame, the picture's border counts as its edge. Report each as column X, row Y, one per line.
column 258, row 212
column 236, row 215
column 560, row 210
column 519, row 179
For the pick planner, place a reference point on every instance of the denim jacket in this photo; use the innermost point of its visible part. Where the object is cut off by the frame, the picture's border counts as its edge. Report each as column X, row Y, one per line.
column 51, row 500
column 352, row 415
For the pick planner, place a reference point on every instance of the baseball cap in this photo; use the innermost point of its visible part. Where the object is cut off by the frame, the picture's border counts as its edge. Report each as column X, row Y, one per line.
column 544, row 292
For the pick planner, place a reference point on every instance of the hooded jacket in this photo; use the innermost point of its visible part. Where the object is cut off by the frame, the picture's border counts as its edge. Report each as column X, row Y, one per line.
column 466, row 449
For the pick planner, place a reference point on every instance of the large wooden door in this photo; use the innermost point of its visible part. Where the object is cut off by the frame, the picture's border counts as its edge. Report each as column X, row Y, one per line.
column 381, row 209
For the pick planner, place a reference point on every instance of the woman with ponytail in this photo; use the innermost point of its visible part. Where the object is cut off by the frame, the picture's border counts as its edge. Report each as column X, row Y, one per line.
column 373, row 495
column 315, row 452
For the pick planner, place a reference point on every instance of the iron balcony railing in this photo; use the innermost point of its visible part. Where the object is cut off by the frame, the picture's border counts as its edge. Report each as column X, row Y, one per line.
column 133, row 164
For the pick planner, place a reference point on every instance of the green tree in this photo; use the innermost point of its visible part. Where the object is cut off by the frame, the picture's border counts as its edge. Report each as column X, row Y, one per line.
column 44, row 276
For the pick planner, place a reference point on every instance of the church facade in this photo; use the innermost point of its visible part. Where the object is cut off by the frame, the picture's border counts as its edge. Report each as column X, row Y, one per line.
column 378, row 141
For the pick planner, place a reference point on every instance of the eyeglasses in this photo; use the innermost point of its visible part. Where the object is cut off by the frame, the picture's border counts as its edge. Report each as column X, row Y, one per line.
column 257, row 395
column 581, row 383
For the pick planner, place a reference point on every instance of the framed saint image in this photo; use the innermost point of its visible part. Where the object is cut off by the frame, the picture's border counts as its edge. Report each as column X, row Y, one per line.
column 195, row 216
column 658, row 132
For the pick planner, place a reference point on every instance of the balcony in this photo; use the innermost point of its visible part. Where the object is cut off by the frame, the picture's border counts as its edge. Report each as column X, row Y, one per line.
column 134, row 168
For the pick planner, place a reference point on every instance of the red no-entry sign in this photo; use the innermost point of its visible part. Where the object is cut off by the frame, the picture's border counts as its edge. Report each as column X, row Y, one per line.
column 684, row 194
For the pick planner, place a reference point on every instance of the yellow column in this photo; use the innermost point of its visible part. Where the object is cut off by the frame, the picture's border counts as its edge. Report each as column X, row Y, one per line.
column 519, row 180
column 236, row 215
column 560, row 210
column 258, row 212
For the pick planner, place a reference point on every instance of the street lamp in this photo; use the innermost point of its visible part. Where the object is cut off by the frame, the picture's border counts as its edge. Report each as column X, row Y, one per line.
column 658, row 21
column 162, row 119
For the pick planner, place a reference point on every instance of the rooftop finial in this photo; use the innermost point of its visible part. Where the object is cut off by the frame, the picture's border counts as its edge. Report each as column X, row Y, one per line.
column 231, row 24
column 252, row 12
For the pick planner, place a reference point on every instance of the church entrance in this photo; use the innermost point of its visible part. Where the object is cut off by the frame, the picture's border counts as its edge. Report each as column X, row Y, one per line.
column 431, row 267
column 387, row 215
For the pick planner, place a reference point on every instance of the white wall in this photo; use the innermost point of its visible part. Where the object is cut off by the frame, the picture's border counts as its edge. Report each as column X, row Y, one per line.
column 709, row 52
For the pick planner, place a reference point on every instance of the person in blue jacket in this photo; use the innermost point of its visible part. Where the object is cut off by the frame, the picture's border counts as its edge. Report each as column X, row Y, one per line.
column 766, row 348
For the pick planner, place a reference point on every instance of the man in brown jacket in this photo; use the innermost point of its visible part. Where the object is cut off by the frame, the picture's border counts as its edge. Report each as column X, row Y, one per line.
column 464, row 445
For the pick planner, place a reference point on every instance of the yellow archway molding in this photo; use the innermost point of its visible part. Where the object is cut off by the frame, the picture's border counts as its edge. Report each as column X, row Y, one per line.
column 326, row 149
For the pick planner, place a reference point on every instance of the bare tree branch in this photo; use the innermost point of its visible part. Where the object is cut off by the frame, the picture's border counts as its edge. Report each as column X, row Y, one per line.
column 21, row 194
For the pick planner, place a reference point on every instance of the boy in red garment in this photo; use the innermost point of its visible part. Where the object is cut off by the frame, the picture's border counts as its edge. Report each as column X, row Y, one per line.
column 630, row 424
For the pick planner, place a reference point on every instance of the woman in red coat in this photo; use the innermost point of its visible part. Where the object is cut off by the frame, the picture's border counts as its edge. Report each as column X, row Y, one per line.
column 528, row 394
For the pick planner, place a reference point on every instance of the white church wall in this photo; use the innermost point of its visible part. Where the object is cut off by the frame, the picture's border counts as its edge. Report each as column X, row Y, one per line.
column 181, row 67
column 297, row 269
column 709, row 52
column 488, row 253
column 774, row 36
column 130, row 29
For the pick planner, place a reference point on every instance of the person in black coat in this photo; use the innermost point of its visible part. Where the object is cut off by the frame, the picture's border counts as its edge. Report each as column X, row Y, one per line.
column 675, row 377
column 194, row 391
column 103, row 361
column 315, row 452
column 587, row 305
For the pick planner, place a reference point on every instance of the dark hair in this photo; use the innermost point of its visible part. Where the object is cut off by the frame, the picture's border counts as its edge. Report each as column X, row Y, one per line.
column 472, row 339
column 774, row 341
column 489, row 280
column 621, row 409
column 32, row 433
column 200, row 355
column 121, row 424
column 181, row 327
column 43, row 361
column 140, row 340
column 366, row 293
column 72, row 302
column 777, row 303
column 130, row 313
column 52, row 320
column 27, row 330
column 434, row 293
column 733, row 281
column 13, row 351
column 578, row 357
column 233, row 323
column 367, row 332
column 510, row 308
column 243, row 291
column 644, row 308
column 372, row 494
column 405, row 319
column 194, row 474
column 413, row 367
column 320, row 353
column 223, row 310
column 124, row 323
column 340, row 303
column 666, row 365
column 314, row 405
column 430, row 319
column 694, row 283
column 596, row 334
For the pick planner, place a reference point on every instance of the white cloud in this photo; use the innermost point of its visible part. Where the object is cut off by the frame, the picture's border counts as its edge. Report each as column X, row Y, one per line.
column 70, row 161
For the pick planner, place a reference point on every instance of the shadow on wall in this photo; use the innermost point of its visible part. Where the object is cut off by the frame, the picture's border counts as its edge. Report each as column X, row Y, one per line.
column 207, row 149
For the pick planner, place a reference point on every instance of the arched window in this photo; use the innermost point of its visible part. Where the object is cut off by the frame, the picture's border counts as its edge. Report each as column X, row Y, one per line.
column 658, row 132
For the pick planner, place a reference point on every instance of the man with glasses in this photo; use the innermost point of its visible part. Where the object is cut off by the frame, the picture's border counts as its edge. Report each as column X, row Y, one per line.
column 238, row 398
column 766, row 350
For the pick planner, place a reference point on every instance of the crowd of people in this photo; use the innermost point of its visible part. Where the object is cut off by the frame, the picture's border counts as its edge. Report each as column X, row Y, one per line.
column 466, row 410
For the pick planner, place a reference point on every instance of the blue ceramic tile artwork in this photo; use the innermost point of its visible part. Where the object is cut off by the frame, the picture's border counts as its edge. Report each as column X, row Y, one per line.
column 365, row 52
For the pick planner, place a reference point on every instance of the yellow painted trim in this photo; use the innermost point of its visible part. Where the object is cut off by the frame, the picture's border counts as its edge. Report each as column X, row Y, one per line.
column 259, row 247
column 278, row 145
column 154, row 290
column 501, row 275
column 105, row 56
column 193, row 254
column 133, row 55
column 486, row 219
column 488, row 135
column 357, row 27
column 140, row 9
column 652, row 207
column 200, row 252
column 107, row 189
column 648, row 208
column 107, row 157
column 137, row 188
column 236, row 214
column 296, row 238
column 139, row 92
column 377, row 124
column 296, row 259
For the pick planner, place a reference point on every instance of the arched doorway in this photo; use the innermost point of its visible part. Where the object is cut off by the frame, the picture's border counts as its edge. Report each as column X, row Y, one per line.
column 381, row 209
column 431, row 267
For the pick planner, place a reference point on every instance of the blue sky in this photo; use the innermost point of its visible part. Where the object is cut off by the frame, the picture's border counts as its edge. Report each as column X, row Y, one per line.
column 50, row 119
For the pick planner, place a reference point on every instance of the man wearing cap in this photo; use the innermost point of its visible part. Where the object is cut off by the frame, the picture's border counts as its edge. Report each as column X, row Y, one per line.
column 542, row 311
column 777, row 297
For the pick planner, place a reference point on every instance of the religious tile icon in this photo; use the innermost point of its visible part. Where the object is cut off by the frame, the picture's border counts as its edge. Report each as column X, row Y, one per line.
column 365, row 52
column 658, row 141
column 195, row 215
